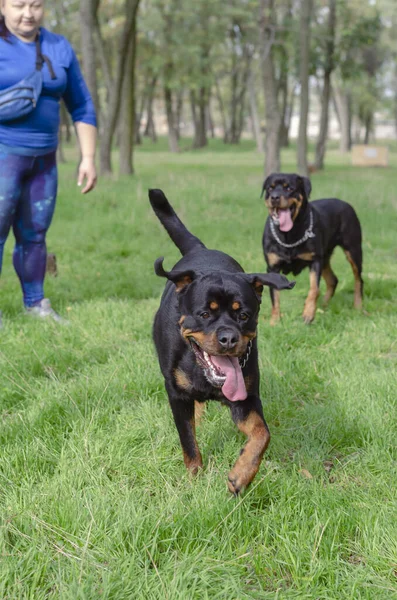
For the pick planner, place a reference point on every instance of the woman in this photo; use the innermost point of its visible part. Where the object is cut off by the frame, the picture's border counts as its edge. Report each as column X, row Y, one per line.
column 28, row 171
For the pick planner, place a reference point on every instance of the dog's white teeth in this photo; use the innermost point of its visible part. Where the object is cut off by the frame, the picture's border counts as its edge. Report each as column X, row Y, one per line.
column 207, row 359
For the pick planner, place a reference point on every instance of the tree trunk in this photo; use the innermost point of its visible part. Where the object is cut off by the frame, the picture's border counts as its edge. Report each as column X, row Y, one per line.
column 231, row 134
column 267, row 36
column 304, row 45
column 282, row 94
column 326, row 92
column 221, row 108
column 202, row 118
column 395, row 90
column 368, row 128
column 150, row 129
column 395, row 105
column 199, row 116
column 88, row 17
column 127, row 109
column 139, row 116
column 343, row 103
column 256, row 126
column 172, row 133
column 210, row 122
column 193, row 109
column 178, row 112
column 286, row 125
column 131, row 8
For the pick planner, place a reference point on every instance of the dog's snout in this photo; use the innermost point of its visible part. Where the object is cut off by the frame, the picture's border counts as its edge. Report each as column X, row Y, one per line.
column 227, row 339
column 275, row 198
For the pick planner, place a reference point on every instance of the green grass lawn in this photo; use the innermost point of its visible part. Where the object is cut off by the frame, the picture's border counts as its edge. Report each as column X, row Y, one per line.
column 95, row 501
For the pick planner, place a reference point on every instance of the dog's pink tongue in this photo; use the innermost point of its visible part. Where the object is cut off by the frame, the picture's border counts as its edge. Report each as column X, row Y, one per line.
column 285, row 221
column 234, row 386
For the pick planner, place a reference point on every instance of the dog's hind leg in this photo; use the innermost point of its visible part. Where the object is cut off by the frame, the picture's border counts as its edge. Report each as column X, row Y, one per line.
column 248, row 417
column 351, row 242
column 183, row 412
column 354, row 256
column 331, row 281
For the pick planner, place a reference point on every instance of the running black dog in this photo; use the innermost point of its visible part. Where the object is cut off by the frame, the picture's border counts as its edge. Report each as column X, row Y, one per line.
column 205, row 336
column 300, row 234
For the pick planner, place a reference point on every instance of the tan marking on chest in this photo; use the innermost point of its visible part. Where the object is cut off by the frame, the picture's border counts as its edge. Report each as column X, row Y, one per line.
column 306, row 256
column 273, row 259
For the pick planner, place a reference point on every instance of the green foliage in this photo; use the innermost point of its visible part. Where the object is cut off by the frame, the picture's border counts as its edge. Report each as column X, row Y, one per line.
column 358, row 35
column 95, row 500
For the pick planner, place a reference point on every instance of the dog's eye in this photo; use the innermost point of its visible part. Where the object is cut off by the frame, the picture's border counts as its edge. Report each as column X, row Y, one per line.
column 243, row 316
column 205, row 315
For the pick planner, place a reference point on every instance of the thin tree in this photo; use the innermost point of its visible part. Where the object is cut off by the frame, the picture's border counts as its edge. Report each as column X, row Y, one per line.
column 88, row 20
column 127, row 109
column 169, row 15
column 272, row 114
column 326, row 91
column 256, row 126
column 115, row 84
column 304, row 45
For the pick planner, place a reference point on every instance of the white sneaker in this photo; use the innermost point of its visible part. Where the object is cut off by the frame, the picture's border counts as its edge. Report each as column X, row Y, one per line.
column 43, row 310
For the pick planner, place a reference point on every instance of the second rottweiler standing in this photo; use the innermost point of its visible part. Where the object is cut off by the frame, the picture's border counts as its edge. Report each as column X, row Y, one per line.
column 300, row 234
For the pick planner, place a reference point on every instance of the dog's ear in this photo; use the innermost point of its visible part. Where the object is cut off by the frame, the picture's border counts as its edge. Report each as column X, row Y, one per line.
column 265, row 184
column 273, row 280
column 181, row 278
column 306, row 185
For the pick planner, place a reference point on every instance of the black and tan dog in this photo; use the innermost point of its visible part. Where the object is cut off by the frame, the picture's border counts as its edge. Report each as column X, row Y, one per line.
column 205, row 336
column 300, row 234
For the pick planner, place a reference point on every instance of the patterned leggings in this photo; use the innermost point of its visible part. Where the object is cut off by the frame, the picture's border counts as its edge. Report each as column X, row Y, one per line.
column 28, row 189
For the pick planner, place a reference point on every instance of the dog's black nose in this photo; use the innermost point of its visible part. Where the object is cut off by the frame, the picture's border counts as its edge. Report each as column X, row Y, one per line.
column 275, row 198
column 227, row 339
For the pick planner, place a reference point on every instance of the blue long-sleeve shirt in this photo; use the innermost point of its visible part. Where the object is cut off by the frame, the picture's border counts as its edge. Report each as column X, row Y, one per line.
column 38, row 131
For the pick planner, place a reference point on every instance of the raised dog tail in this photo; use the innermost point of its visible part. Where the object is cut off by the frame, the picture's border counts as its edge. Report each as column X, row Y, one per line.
column 182, row 238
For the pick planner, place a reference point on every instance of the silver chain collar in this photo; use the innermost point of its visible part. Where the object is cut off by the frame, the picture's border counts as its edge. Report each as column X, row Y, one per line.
column 308, row 234
column 243, row 361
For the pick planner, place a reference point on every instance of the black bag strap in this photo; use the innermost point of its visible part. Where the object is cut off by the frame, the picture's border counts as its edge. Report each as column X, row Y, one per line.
column 41, row 59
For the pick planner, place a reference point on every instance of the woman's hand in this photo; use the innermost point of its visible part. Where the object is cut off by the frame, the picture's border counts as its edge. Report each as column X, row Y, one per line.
column 87, row 171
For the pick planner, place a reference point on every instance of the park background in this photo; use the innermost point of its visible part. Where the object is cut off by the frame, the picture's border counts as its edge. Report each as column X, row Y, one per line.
column 95, row 501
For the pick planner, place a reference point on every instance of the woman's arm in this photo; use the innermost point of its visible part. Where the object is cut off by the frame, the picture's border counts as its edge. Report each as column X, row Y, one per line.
column 87, row 140
column 81, row 108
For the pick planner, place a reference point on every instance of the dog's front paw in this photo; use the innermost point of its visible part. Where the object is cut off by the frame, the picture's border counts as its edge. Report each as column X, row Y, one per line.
column 238, row 480
column 309, row 312
column 275, row 320
column 308, row 318
column 193, row 464
column 234, row 484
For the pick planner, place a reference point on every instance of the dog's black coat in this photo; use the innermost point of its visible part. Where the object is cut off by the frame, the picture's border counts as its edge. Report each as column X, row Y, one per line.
column 335, row 223
column 209, row 305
